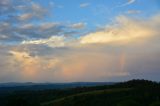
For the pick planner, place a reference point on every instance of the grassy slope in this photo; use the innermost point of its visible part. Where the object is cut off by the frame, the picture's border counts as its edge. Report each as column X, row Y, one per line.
column 126, row 94
column 82, row 95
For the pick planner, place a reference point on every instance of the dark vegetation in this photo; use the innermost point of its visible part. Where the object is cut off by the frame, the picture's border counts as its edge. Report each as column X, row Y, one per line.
column 131, row 93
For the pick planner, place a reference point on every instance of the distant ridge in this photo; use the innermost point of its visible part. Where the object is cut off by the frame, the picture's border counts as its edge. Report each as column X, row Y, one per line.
column 48, row 85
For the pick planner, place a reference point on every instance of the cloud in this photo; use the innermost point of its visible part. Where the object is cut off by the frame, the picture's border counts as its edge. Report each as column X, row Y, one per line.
column 126, row 48
column 129, row 2
column 22, row 20
column 38, row 63
column 75, row 63
column 69, row 66
column 78, row 25
column 6, row 6
column 25, row 20
column 46, row 26
column 31, row 12
column 31, row 67
column 83, row 5
column 77, row 67
column 25, row 16
column 54, row 41
column 133, row 12
column 123, row 30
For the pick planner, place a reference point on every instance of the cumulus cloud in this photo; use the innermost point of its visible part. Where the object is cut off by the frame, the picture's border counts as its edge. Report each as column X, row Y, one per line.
column 66, row 66
column 123, row 49
column 31, row 67
column 139, row 60
column 23, row 20
column 13, row 14
column 75, row 63
column 123, row 30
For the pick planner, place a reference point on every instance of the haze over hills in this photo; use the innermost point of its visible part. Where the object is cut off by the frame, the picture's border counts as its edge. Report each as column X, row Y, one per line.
column 72, row 84
column 12, row 86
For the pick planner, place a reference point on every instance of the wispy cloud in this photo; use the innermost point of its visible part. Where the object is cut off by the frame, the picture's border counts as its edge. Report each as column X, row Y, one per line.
column 83, row 5
column 134, row 12
column 79, row 25
column 54, row 41
column 129, row 2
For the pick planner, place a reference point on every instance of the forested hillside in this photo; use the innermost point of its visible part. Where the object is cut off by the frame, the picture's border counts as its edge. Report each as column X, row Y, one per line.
column 131, row 93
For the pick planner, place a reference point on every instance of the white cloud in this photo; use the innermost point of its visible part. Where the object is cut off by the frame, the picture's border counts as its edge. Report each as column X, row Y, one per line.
column 80, row 25
column 25, row 16
column 27, row 26
column 66, row 60
column 133, row 12
column 83, row 5
column 124, row 30
column 34, row 11
column 32, row 67
column 45, row 26
column 128, row 3
column 54, row 41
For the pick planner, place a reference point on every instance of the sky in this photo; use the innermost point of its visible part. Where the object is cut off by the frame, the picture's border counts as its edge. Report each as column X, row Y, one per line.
column 79, row 40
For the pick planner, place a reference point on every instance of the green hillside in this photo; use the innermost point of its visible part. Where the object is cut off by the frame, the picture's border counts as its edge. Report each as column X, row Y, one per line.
column 132, row 93
column 84, row 98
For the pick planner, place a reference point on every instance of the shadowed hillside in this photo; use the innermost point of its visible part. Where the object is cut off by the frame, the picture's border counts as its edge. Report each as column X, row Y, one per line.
column 131, row 93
